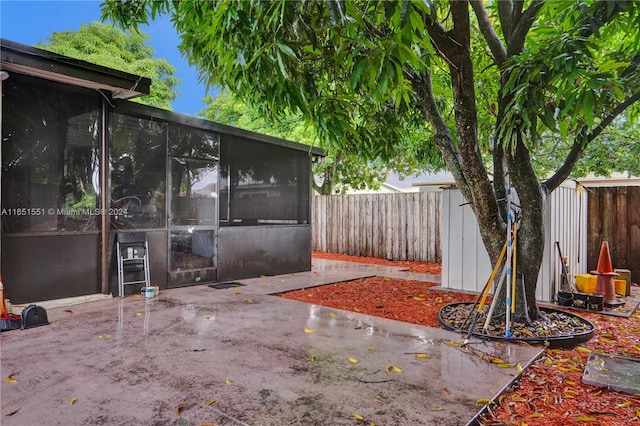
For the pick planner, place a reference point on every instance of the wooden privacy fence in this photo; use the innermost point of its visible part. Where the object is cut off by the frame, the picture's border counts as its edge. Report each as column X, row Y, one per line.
column 400, row 226
column 614, row 216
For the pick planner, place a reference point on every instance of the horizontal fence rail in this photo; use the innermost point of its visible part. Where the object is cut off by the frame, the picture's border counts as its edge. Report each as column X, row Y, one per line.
column 400, row 226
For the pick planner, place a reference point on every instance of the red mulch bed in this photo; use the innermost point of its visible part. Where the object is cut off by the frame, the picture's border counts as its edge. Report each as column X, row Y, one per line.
column 550, row 392
column 417, row 267
column 402, row 300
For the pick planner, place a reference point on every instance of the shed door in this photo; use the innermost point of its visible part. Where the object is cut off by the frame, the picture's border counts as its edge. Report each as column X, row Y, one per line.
column 193, row 221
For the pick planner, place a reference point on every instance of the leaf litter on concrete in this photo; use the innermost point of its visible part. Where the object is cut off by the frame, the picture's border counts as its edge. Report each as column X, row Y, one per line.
column 549, row 392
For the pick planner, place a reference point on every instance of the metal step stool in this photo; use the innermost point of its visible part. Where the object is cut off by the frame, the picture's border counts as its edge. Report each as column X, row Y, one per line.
column 133, row 259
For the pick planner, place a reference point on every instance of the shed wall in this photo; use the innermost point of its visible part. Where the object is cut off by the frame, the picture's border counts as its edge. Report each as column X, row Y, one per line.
column 465, row 262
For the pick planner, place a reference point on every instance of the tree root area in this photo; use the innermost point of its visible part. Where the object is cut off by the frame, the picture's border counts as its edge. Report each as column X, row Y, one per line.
column 553, row 325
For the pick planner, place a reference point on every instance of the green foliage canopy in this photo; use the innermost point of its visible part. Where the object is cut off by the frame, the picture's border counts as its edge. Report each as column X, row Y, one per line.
column 106, row 45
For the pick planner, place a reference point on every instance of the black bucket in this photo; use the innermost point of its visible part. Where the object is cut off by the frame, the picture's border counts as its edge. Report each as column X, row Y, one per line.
column 564, row 298
column 595, row 302
column 580, row 300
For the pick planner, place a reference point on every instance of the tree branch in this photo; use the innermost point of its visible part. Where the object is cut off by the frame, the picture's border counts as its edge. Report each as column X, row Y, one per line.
column 444, row 45
column 506, row 19
column 492, row 38
column 582, row 141
column 603, row 13
column 632, row 68
column 515, row 40
column 442, row 135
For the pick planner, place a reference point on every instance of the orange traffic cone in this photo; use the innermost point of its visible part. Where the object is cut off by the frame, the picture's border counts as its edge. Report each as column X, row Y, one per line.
column 604, row 282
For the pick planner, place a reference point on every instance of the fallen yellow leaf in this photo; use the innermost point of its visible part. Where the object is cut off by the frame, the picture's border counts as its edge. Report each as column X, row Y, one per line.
column 229, row 382
column 210, row 403
column 625, row 404
column 397, row 369
column 102, row 336
column 249, row 301
column 389, row 368
column 435, row 409
column 583, row 350
column 10, row 379
column 332, row 314
column 358, row 416
column 423, row 356
column 484, row 401
column 518, row 368
column 136, row 296
column 309, row 330
column 586, row 419
column 73, row 401
column 138, row 314
column 506, row 365
column 353, row 360
column 418, row 298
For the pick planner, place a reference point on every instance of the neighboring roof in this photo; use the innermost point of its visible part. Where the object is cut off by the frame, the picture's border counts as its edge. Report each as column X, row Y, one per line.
column 23, row 59
column 616, row 179
column 437, row 179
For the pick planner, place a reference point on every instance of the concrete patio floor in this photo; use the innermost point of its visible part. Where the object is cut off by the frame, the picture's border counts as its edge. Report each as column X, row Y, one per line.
column 241, row 356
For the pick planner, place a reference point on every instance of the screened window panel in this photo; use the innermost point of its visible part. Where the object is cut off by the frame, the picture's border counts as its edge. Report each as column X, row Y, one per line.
column 263, row 184
column 138, row 161
column 194, row 192
column 50, row 156
column 193, row 143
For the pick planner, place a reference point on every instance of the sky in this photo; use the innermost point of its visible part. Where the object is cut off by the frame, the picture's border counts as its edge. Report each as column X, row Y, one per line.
column 31, row 22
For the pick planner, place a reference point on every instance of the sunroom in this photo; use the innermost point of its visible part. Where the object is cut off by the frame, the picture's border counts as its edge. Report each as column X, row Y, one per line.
column 81, row 164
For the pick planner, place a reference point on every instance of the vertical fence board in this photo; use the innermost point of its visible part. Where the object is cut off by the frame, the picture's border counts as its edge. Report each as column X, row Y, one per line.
column 614, row 216
column 403, row 226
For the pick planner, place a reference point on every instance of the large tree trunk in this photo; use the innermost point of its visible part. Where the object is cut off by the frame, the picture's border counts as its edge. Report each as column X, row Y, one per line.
column 530, row 237
column 465, row 162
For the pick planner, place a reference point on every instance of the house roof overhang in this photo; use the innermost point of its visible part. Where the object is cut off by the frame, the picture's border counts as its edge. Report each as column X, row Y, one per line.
column 23, row 59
